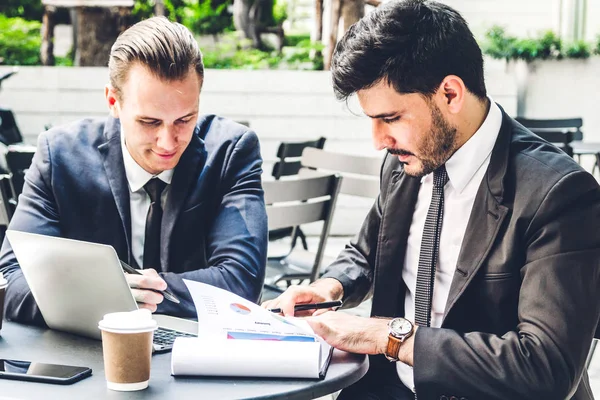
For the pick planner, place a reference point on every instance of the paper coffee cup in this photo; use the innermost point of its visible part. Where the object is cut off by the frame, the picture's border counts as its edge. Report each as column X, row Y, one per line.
column 127, row 349
column 3, row 285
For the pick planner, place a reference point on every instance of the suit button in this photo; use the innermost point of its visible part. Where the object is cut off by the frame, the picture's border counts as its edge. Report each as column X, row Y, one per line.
column 453, row 398
column 443, row 397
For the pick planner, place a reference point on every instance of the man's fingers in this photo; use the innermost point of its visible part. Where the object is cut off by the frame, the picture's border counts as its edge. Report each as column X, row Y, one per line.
column 146, row 281
column 147, row 296
column 321, row 311
column 295, row 295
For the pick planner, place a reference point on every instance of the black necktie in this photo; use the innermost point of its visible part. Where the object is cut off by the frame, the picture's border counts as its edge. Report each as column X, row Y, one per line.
column 154, row 188
column 430, row 244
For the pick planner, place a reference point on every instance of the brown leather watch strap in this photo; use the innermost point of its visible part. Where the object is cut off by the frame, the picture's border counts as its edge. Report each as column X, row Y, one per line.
column 393, row 347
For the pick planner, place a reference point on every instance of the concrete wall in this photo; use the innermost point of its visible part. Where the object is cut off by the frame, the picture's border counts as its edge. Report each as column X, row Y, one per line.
column 520, row 17
column 565, row 89
column 279, row 105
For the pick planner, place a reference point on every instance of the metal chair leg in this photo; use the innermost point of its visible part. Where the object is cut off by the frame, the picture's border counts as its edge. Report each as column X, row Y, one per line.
column 588, row 361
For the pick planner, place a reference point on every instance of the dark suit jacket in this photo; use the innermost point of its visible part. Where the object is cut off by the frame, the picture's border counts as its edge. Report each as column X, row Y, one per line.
column 214, row 226
column 523, row 304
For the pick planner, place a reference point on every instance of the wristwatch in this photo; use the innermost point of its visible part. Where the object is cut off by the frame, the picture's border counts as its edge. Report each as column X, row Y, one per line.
column 400, row 330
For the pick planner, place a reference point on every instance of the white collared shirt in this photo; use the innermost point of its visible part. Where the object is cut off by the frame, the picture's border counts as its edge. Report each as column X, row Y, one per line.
column 466, row 169
column 139, row 200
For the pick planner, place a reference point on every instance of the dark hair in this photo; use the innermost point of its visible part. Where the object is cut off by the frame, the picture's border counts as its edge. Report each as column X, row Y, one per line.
column 412, row 45
column 166, row 48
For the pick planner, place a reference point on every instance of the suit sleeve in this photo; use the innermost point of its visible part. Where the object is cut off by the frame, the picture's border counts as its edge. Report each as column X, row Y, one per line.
column 237, row 241
column 354, row 266
column 558, row 311
column 36, row 212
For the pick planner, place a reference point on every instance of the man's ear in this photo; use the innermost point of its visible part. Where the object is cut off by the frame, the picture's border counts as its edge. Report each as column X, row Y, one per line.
column 452, row 92
column 111, row 99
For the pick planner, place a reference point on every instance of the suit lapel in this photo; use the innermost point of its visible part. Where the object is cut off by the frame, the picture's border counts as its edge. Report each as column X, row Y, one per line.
column 115, row 172
column 187, row 172
column 486, row 217
column 396, row 217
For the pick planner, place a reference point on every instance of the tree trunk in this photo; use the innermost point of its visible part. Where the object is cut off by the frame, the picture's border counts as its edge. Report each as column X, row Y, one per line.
column 318, row 32
column 159, row 8
column 254, row 17
column 241, row 19
column 336, row 14
column 97, row 30
column 48, row 23
column 352, row 11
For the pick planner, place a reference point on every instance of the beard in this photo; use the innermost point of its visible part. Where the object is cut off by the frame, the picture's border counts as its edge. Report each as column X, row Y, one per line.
column 436, row 147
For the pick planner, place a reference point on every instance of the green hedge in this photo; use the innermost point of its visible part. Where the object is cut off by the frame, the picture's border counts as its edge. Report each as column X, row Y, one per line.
column 546, row 46
column 20, row 41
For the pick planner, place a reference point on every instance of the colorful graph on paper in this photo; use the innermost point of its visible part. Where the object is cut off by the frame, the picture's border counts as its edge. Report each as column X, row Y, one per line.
column 266, row 336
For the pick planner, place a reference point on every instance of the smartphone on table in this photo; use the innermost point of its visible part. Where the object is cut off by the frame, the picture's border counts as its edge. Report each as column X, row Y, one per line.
column 41, row 372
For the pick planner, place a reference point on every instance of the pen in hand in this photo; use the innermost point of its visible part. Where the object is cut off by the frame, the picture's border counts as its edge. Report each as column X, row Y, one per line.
column 311, row 306
column 168, row 295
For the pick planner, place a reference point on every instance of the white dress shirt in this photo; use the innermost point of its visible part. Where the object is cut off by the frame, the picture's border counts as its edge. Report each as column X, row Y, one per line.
column 466, row 169
column 139, row 200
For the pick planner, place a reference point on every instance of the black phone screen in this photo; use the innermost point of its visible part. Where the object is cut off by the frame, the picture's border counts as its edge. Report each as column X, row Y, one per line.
column 17, row 369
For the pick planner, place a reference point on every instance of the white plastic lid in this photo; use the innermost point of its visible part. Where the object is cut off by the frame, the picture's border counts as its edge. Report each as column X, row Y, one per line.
column 128, row 322
column 3, row 282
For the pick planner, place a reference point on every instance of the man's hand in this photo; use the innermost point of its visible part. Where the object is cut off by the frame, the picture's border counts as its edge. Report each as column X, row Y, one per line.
column 358, row 334
column 327, row 289
column 140, row 284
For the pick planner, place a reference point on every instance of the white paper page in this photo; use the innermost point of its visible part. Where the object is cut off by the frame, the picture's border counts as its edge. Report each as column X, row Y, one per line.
column 245, row 358
column 239, row 338
column 325, row 347
column 223, row 314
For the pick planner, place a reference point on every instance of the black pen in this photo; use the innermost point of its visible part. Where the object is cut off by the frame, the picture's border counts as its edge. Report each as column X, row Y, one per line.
column 311, row 306
column 168, row 295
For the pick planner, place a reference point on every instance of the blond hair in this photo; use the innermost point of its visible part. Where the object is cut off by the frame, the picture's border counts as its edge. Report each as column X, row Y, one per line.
column 168, row 49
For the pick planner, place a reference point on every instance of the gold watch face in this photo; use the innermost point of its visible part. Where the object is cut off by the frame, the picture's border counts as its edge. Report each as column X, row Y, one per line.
column 400, row 327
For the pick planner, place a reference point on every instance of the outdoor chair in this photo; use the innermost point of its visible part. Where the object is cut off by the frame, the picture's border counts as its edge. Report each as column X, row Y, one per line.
column 360, row 179
column 292, row 203
column 18, row 160
column 7, row 203
column 360, row 173
column 590, row 356
column 288, row 164
column 560, row 132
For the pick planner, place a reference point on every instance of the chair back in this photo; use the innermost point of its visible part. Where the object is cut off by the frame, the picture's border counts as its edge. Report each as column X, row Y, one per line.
column 18, row 160
column 7, row 203
column 289, row 154
column 9, row 131
column 291, row 203
column 361, row 173
column 560, row 132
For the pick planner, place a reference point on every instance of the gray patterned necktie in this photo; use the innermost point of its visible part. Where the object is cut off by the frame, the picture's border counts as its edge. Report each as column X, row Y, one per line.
column 428, row 255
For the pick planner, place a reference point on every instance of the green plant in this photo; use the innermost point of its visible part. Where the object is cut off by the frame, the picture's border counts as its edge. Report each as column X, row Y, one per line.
column 293, row 40
column 280, row 12
column 579, row 49
column 232, row 53
column 20, row 41
column 598, row 46
column 206, row 17
column 27, row 9
column 547, row 46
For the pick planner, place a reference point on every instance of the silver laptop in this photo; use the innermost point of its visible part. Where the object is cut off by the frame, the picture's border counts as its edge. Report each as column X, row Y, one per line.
column 75, row 283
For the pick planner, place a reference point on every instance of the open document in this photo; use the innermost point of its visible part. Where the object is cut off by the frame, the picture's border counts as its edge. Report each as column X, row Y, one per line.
column 239, row 338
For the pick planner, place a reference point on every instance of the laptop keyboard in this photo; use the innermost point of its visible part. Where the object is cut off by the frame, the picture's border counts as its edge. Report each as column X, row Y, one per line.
column 164, row 338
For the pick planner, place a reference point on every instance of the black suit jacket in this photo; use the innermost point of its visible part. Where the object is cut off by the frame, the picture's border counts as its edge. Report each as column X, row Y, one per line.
column 214, row 226
column 523, row 303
